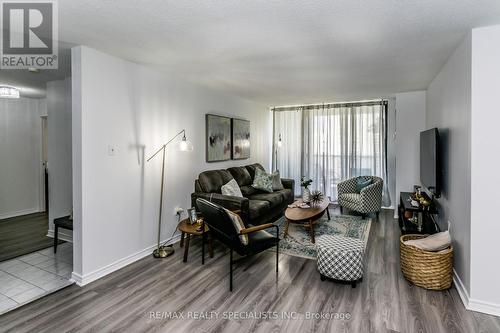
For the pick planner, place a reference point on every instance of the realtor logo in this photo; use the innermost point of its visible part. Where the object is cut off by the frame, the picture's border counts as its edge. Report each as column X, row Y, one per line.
column 29, row 34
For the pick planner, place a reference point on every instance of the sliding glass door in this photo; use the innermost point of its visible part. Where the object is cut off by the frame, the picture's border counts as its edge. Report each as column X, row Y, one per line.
column 331, row 143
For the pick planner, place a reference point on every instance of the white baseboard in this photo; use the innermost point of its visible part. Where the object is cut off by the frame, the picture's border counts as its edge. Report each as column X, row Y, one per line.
column 484, row 307
column 20, row 213
column 473, row 304
column 462, row 291
column 64, row 234
column 101, row 272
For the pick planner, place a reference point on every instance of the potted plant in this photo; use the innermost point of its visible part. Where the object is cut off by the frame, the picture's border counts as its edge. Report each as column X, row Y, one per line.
column 305, row 192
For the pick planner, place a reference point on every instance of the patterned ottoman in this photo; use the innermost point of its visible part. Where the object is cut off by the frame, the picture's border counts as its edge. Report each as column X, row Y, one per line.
column 340, row 258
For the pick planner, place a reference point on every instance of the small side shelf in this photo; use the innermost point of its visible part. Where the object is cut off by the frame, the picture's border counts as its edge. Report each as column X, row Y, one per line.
column 424, row 214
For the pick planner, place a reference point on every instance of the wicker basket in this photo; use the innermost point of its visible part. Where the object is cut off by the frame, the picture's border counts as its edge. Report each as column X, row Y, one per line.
column 429, row 270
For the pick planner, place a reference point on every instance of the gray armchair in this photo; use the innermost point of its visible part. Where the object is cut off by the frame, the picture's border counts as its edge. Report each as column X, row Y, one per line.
column 369, row 200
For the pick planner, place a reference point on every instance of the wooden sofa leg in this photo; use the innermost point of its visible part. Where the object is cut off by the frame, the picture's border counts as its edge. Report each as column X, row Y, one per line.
column 378, row 214
column 363, row 216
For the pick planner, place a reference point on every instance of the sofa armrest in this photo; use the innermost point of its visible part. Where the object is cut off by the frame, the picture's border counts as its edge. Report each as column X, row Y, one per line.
column 289, row 184
column 371, row 197
column 227, row 201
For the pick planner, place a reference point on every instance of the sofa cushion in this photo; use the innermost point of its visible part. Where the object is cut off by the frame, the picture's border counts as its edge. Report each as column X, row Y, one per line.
column 258, row 208
column 241, row 175
column 211, row 181
column 274, row 199
column 248, row 190
column 287, row 195
column 252, row 167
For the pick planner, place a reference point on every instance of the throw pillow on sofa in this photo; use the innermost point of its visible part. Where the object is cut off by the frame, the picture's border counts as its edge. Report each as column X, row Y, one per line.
column 277, row 185
column 231, row 188
column 263, row 181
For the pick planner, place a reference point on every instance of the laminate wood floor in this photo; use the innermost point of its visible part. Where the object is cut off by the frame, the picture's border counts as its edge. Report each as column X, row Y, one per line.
column 24, row 234
column 126, row 300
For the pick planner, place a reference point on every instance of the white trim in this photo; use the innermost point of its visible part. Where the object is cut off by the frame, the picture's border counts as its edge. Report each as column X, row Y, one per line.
column 82, row 280
column 473, row 304
column 484, row 307
column 462, row 291
column 64, row 234
column 20, row 213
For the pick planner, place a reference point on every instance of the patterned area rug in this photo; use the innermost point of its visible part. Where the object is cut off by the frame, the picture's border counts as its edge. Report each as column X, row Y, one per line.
column 298, row 242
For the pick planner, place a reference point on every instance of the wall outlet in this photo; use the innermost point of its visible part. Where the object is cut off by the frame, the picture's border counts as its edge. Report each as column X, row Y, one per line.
column 178, row 211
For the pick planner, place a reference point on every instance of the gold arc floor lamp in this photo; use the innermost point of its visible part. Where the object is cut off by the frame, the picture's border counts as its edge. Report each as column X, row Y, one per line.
column 162, row 251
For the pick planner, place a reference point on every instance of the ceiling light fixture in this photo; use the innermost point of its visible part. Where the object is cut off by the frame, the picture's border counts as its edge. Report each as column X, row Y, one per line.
column 9, row 92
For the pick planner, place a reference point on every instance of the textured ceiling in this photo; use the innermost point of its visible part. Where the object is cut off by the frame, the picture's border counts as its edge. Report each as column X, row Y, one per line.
column 284, row 51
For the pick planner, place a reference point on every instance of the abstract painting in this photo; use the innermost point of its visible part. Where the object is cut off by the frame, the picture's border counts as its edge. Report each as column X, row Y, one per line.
column 241, row 139
column 218, row 138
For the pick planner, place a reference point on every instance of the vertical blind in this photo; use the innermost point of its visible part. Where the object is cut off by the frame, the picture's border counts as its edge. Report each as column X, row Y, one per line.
column 330, row 143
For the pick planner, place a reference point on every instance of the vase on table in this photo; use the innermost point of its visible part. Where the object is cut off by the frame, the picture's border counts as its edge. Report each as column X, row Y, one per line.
column 306, row 194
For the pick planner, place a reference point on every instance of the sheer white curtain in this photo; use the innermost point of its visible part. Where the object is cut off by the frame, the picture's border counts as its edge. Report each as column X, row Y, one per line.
column 336, row 142
column 287, row 158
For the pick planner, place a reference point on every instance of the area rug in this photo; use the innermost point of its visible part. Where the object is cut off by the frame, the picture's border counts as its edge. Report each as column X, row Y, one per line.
column 298, row 242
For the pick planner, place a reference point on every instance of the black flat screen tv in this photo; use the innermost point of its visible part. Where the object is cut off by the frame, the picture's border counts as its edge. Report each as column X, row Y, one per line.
column 430, row 164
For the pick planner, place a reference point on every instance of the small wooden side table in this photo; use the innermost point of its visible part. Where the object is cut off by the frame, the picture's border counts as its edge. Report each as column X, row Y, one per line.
column 187, row 229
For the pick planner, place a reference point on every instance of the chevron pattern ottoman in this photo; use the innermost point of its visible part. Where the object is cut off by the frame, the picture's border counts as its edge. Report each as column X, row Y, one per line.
column 340, row 258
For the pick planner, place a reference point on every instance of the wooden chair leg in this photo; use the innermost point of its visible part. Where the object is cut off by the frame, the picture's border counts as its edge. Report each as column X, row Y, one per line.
column 328, row 213
column 231, row 270
column 56, row 231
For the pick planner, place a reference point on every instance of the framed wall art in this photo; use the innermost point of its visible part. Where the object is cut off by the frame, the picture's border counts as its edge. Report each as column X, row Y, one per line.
column 218, row 138
column 240, row 139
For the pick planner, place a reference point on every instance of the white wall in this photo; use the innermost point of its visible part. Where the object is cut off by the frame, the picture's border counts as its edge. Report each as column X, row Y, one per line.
column 448, row 109
column 410, row 121
column 59, row 152
column 135, row 109
column 485, row 118
column 20, row 156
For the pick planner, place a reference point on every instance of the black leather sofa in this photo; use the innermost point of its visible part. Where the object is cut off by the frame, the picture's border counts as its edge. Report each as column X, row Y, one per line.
column 256, row 207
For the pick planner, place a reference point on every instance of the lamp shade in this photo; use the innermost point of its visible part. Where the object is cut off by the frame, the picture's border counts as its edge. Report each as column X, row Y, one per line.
column 9, row 92
column 185, row 145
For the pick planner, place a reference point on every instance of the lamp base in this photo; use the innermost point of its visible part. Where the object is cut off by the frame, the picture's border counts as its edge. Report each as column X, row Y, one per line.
column 163, row 251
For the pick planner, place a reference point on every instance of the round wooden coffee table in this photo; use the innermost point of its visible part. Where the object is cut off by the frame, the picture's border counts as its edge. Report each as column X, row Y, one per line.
column 308, row 217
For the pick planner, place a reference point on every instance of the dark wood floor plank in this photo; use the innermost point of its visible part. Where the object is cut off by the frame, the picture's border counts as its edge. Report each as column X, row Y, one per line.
column 24, row 234
column 122, row 301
